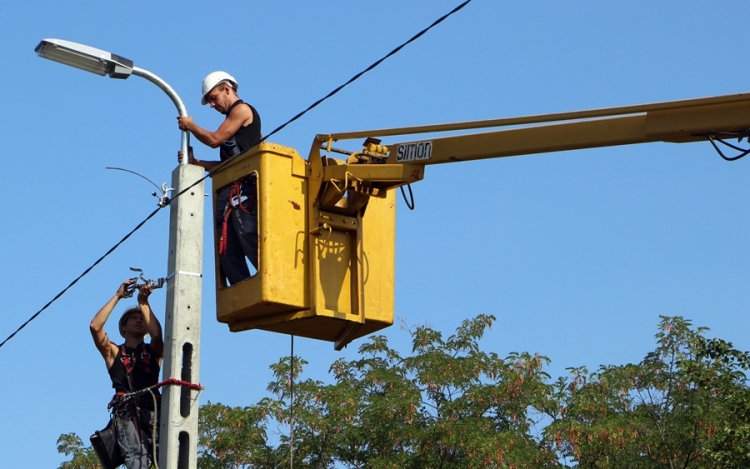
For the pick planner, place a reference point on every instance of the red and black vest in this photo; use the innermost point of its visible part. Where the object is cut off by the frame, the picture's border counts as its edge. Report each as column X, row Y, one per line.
column 134, row 369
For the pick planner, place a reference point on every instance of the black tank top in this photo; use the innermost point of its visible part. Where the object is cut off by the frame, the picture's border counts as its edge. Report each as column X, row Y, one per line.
column 245, row 138
column 145, row 371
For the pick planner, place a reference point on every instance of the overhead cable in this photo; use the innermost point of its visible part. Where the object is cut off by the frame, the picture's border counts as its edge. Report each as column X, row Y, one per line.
column 85, row 272
column 324, row 98
column 742, row 151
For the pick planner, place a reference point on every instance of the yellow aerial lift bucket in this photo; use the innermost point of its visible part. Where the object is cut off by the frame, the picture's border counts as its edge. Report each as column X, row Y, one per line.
column 324, row 274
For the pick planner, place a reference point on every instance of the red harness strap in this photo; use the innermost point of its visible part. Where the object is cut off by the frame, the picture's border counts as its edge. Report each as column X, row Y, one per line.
column 235, row 193
column 129, row 361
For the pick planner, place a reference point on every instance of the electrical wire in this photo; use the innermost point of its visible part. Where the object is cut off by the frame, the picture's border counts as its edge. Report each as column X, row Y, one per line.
column 224, row 163
column 743, row 151
column 714, row 137
column 375, row 64
column 410, row 200
column 85, row 272
column 153, row 430
column 329, row 95
column 137, row 174
column 291, row 406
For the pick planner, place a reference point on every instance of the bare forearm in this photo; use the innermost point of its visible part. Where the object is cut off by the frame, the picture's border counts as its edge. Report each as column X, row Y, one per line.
column 153, row 326
column 100, row 318
column 204, row 136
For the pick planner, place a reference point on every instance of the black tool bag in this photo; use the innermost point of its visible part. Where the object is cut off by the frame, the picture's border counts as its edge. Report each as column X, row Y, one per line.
column 106, row 447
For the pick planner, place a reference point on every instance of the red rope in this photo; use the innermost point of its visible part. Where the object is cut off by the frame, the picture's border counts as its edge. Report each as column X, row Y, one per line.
column 223, row 239
column 179, row 382
column 234, row 192
column 169, row 381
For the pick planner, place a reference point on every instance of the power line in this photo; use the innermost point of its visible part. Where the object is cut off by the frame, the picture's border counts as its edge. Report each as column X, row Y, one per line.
column 329, row 95
column 111, row 250
column 375, row 64
column 224, row 163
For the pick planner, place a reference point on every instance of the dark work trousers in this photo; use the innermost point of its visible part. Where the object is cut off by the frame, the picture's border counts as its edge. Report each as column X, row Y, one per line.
column 242, row 238
column 134, row 435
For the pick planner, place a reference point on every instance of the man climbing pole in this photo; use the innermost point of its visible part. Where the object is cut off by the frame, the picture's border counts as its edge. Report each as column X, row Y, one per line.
column 132, row 366
column 235, row 213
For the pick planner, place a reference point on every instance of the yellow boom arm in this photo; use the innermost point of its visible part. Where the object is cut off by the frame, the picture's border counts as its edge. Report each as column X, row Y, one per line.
column 675, row 121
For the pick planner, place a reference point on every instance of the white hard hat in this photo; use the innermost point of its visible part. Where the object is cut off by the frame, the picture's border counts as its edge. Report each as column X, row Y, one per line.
column 213, row 79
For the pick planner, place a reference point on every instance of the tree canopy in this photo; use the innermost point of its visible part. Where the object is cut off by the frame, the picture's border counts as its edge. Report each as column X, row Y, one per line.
column 449, row 404
column 685, row 405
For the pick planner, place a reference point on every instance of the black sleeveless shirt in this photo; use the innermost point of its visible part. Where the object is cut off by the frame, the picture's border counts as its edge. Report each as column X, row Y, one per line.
column 145, row 371
column 245, row 138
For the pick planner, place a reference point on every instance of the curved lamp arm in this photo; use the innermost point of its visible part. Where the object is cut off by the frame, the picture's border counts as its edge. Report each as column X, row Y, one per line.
column 143, row 73
column 103, row 63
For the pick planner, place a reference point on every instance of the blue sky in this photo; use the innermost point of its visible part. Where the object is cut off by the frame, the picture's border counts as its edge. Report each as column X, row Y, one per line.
column 576, row 253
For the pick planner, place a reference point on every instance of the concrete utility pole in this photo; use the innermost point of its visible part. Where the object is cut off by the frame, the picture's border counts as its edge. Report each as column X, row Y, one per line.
column 179, row 413
column 178, row 442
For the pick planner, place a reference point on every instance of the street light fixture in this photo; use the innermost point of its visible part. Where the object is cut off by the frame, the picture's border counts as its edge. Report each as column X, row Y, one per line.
column 84, row 57
column 179, row 415
column 103, row 63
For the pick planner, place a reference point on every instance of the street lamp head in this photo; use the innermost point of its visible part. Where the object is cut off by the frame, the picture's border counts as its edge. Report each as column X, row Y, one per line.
column 84, row 57
column 105, row 63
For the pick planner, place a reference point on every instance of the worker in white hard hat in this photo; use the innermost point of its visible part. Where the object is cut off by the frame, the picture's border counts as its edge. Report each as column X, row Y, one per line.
column 236, row 217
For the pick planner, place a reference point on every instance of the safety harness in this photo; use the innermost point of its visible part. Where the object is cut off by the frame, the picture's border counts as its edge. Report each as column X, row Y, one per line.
column 234, row 202
column 141, row 359
column 129, row 361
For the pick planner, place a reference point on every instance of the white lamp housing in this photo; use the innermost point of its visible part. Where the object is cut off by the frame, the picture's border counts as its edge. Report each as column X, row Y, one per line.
column 84, row 57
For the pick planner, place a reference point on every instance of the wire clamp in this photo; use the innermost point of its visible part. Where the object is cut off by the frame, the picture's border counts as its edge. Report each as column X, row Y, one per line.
column 190, row 274
column 145, row 282
column 164, row 200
